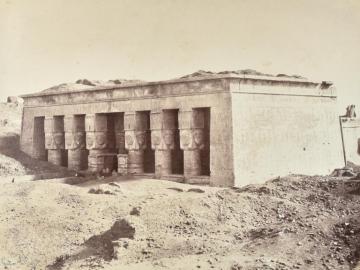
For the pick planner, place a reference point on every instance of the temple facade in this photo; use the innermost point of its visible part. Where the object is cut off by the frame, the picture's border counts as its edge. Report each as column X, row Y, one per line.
column 222, row 130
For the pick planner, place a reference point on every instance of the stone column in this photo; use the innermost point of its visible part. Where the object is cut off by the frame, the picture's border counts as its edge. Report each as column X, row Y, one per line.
column 96, row 140
column 191, row 125
column 75, row 142
column 135, row 141
column 162, row 140
column 54, row 139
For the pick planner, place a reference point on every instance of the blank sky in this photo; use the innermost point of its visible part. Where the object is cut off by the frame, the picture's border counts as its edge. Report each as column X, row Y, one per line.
column 48, row 42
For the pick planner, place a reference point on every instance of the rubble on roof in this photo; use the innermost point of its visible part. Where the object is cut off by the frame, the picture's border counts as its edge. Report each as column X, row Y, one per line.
column 203, row 73
column 83, row 84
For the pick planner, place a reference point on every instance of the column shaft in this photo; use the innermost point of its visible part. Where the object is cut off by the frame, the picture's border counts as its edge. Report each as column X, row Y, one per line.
column 163, row 165
column 135, row 161
column 55, row 156
column 192, row 163
column 77, row 159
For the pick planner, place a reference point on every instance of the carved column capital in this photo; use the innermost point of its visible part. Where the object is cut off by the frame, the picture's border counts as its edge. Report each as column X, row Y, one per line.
column 74, row 126
column 96, row 140
column 192, row 139
column 75, row 140
column 135, row 140
column 191, row 124
column 163, row 130
column 54, row 140
column 163, row 139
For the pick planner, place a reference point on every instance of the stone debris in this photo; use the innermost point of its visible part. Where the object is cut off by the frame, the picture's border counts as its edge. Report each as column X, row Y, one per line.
column 107, row 189
column 176, row 189
column 196, row 190
column 135, row 211
column 343, row 172
column 203, row 73
column 14, row 100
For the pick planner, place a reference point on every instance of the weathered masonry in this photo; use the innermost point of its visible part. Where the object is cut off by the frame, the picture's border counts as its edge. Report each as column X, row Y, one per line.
column 223, row 130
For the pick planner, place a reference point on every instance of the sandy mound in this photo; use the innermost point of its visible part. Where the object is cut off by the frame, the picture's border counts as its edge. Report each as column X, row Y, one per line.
column 290, row 223
column 10, row 118
column 13, row 162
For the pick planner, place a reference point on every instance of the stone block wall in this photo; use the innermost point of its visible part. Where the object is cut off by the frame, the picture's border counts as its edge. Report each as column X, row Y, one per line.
column 281, row 129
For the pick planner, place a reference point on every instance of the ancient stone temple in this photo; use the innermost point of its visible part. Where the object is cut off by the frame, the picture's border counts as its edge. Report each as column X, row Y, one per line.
column 222, row 129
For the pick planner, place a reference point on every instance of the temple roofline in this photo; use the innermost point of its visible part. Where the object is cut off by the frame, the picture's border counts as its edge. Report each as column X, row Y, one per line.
column 181, row 80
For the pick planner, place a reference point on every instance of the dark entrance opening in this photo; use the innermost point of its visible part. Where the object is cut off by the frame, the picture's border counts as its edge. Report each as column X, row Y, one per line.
column 205, row 152
column 112, row 122
column 177, row 154
column 39, row 151
column 149, row 154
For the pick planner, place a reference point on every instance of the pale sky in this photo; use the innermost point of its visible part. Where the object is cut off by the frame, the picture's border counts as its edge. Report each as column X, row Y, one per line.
column 47, row 42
